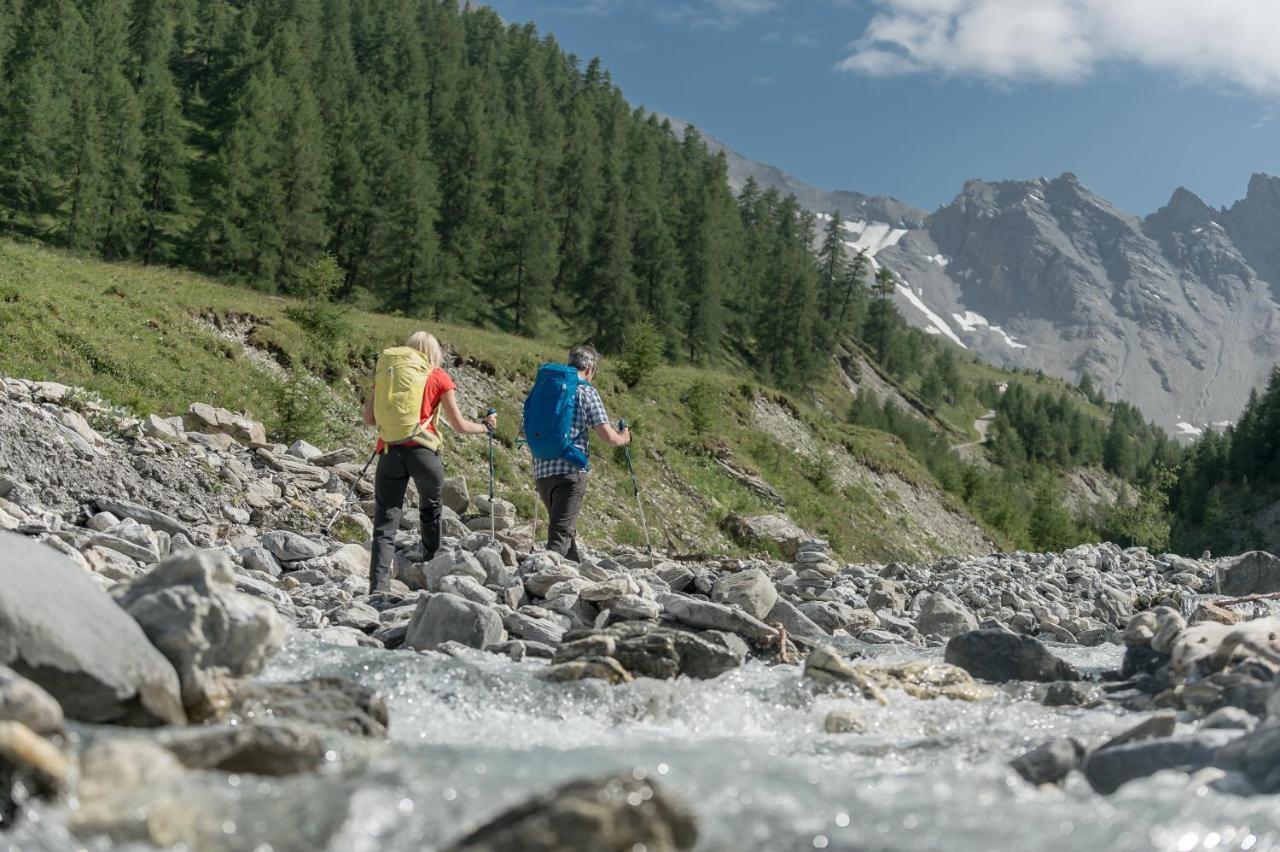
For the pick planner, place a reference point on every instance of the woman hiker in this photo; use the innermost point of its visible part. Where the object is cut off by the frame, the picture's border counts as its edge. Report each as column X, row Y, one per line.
column 410, row 391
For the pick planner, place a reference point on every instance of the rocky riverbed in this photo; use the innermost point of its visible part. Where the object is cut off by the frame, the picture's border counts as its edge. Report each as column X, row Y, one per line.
column 186, row 659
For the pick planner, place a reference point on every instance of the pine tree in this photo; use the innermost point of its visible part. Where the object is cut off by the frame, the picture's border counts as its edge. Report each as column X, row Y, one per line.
column 163, row 158
column 581, row 189
column 884, row 288
column 832, row 259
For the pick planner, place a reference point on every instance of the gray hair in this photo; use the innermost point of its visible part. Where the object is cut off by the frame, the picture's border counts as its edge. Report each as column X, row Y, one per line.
column 584, row 357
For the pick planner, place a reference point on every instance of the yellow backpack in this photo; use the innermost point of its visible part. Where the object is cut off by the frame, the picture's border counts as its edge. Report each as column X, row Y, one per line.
column 400, row 379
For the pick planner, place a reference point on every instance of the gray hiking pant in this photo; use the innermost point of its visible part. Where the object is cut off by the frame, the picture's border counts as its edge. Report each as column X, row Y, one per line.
column 395, row 467
column 562, row 495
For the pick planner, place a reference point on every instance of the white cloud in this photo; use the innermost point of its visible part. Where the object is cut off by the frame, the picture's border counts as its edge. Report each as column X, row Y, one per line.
column 1231, row 41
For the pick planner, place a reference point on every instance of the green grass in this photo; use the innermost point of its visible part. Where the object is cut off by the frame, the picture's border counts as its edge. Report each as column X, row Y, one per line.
column 134, row 334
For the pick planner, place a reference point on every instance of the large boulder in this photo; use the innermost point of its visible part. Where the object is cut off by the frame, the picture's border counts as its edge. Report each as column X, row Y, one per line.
column 751, row 591
column 610, row 813
column 448, row 618
column 61, row 630
column 1252, row 573
column 942, row 616
column 999, row 656
column 192, row 612
column 771, row 530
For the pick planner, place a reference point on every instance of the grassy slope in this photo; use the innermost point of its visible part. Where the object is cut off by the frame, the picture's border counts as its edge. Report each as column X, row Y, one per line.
column 131, row 333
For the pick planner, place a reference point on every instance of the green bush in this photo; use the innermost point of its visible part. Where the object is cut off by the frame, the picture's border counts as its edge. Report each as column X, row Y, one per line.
column 702, row 401
column 642, row 352
column 299, row 410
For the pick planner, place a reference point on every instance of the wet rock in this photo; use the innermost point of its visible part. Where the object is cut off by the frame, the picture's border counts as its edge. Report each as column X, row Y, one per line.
column 290, row 547
column 587, row 668
column 825, row 666
column 29, row 766
column 651, row 655
column 1109, row 768
column 1068, row 694
column 1257, row 755
column 327, row 702
column 60, row 630
column 708, row 655
column 24, row 701
column 448, row 618
column 941, row 616
column 1229, row 719
column 619, row 813
column 266, row 747
column 751, row 591
column 1051, row 762
column 708, row 615
column 191, row 611
column 997, row 656
column 1252, row 573
column 1156, row 726
column 843, row 721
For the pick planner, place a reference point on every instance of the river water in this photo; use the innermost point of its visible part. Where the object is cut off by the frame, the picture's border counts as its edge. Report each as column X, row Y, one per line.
column 747, row 751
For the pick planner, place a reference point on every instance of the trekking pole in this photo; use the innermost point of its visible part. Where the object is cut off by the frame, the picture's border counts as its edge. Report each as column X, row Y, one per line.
column 493, row 525
column 350, row 491
column 635, row 485
column 534, row 545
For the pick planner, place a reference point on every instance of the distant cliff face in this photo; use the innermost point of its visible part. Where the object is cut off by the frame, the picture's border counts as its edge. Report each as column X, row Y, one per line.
column 1177, row 313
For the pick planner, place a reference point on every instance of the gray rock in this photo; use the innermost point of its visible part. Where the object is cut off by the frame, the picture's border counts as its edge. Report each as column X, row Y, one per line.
column 709, row 655
column 797, row 623
column 449, row 563
column 24, row 701
column 30, row 766
column 306, row 452
column 260, row 559
column 1252, row 573
column 143, row 515
column 191, row 611
column 1051, row 762
column 997, row 656
column 1257, row 755
column 776, row 530
column 709, row 615
column 328, row 702
column 614, row 813
column 632, row 607
column 469, row 588
column 751, row 591
column 60, row 630
column 650, row 655
column 290, row 547
column 1229, row 719
column 448, row 618
column 1110, row 768
column 941, row 616
column 455, row 495
column 266, row 747
column 535, row 629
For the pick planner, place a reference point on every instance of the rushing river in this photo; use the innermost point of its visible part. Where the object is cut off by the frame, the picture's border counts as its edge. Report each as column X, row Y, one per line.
column 746, row 750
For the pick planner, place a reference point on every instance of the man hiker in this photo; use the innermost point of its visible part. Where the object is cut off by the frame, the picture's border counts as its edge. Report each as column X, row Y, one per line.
column 559, row 415
column 410, row 390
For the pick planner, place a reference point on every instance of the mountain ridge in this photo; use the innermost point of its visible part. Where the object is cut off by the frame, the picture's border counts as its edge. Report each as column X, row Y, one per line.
column 1176, row 311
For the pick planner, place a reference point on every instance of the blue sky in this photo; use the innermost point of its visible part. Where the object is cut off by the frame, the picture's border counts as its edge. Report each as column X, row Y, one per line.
column 912, row 97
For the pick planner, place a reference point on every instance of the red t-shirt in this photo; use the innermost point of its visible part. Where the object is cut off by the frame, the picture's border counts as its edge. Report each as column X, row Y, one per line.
column 438, row 384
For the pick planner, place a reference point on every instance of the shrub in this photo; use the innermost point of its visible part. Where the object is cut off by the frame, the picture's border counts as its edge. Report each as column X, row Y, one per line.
column 701, row 401
column 299, row 409
column 323, row 320
column 642, row 352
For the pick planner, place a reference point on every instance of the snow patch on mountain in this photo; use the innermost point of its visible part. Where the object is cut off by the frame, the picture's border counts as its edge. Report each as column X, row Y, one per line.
column 937, row 325
column 971, row 321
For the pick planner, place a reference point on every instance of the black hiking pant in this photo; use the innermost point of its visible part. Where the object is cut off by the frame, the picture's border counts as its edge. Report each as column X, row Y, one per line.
column 562, row 495
column 395, row 468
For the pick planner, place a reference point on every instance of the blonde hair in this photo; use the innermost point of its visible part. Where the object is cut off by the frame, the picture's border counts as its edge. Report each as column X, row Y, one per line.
column 426, row 343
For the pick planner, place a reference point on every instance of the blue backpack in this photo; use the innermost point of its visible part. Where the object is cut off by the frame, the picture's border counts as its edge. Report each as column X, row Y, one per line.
column 548, row 415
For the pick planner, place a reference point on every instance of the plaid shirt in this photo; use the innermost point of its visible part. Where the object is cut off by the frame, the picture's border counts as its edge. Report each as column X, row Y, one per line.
column 588, row 412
